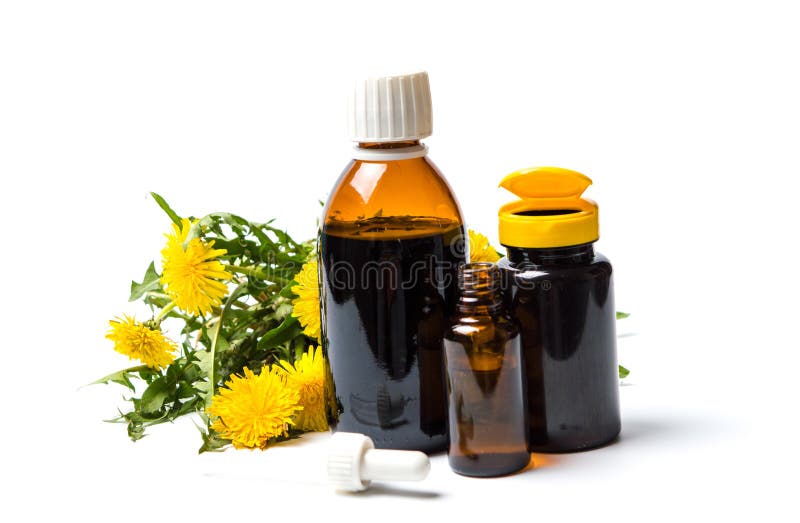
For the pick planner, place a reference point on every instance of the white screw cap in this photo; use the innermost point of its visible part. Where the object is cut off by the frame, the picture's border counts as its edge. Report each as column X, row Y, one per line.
column 353, row 462
column 391, row 108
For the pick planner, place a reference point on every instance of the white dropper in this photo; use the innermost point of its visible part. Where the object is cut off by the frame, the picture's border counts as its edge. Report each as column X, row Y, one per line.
column 349, row 462
column 354, row 462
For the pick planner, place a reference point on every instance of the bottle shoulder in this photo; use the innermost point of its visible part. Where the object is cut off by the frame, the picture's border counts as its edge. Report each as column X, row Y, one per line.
column 394, row 188
column 597, row 263
column 600, row 258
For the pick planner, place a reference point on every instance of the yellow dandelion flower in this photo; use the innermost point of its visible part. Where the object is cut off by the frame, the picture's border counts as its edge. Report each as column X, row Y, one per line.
column 140, row 342
column 479, row 248
column 252, row 409
column 192, row 276
column 307, row 377
column 306, row 305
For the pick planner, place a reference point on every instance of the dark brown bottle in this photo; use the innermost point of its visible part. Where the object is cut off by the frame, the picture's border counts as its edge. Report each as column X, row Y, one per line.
column 561, row 293
column 391, row 240
column 485, row 387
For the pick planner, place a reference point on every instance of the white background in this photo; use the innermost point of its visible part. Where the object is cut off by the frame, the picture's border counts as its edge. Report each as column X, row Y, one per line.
column 685, row 114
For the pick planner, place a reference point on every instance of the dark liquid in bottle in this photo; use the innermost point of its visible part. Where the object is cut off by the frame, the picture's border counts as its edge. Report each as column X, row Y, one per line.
column 489, row 433
column 385, row 286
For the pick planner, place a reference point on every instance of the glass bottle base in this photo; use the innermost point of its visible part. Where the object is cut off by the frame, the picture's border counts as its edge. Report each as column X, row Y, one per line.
column 560, row 447
column 489, row 465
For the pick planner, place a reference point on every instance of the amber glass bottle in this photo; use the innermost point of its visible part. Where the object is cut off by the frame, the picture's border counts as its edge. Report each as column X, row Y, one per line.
column 485, row 386
column 390, row 244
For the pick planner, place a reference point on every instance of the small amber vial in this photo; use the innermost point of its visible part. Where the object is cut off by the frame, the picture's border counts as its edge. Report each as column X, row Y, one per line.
column 485, row 389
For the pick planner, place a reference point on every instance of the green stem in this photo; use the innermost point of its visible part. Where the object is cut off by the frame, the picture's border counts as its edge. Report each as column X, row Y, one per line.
column 212, row 370
column 105, row 379
column 155, row 294
column 164, row 312
column 255, row 272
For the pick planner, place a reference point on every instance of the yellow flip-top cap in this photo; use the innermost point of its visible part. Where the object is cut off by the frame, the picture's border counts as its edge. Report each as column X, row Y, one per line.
column 551, row 212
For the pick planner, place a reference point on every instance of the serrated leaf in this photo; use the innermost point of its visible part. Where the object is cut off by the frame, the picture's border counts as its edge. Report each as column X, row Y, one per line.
column 167, row 209
column 192, row 405
column 203, row 388
column 622, row 315
column 192, row 373
column 121, row 377
column 148, row 374
column 150, row 282
column 623, row 372
column 212, row 442
column 204, row 363
column 203, row 384
column 222, row 342
column 284, row 332
column 185, row 390
column 154, row 396
column 159, row 302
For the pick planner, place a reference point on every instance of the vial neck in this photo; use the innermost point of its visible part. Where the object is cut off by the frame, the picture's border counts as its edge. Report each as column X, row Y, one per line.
column 572, row 254
column 479, row 285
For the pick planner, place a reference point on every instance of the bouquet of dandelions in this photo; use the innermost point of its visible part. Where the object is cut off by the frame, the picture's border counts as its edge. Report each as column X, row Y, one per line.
column 244, row 297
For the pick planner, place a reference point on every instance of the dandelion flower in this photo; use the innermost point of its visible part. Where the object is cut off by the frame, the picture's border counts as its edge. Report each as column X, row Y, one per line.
column 306, row 305
column 140, row 342
column 307, row 377
column 252, row 409
column 192, row 276
column 479, row 248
